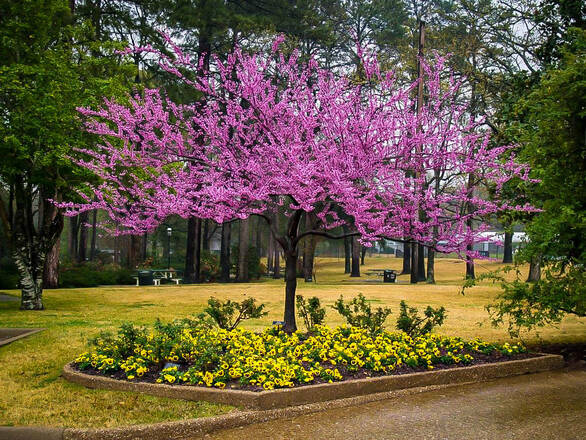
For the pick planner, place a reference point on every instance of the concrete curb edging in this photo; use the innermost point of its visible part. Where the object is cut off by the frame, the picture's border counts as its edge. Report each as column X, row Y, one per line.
column 17, row 333
column 277, row 402
column 285, row 397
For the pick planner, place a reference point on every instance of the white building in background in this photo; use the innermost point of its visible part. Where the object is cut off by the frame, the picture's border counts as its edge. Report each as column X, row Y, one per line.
column 518, row 239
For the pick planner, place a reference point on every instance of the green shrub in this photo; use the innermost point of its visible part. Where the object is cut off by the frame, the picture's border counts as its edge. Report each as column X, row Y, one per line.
column 358, row 313
column 229, row 314
column 255, row 269
column 94, row 274
column 310, row 311
column 8, row 274
column 411, row 323
column 210, row 267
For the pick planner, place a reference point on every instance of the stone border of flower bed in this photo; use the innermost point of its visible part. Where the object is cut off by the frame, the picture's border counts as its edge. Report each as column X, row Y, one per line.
column 371, row 390
column 285, row 397
column 18, row 333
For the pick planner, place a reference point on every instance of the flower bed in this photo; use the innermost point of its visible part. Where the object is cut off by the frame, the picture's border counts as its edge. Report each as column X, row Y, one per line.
column 242, row 359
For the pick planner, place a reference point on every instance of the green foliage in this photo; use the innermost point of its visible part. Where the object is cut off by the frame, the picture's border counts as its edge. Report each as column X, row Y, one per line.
column 551, row 125
column 527, row 306
column 358, row 313
column 310, row 311
column 229, row 314
column 414, row 325
column 93, row 275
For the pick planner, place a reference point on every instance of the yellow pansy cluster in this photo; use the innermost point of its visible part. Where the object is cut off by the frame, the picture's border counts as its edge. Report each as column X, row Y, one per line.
column 99, row 362
column 274, row 359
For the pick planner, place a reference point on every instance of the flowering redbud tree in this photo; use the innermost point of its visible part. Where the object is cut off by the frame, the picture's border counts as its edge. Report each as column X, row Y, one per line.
column 275, row 132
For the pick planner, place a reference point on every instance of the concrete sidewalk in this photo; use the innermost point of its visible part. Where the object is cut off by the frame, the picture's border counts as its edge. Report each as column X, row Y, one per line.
column 549, row 405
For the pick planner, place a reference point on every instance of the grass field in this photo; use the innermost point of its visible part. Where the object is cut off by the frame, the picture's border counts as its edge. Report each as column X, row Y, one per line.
column 33, row 393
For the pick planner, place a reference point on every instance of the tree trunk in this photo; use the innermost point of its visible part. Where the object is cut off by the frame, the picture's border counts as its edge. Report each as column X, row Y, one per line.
column 276, row 263
column 270, row 252
column 243, row 244
column 406, row 259
column 469, row 264
column 430, row 266
column 73, row 243
column 205, row 243
column 225, row 253
column 144, row 243
column 414, row 263
column 258, row 243
column 421, row 263
column 470, row 224
column 192, row 251
column 116, row 250
column 51, row 269
column 534, row 270
column 508, row 247
column 355, row 257
column 309, row 259
column 363, row 255
column 82, row 252
column 94, row 235
column 347, row 252
column 290, row 289
column 31, row 280
column 134, row 252
column 276, row 257
column 30, row 246
column 308, row 252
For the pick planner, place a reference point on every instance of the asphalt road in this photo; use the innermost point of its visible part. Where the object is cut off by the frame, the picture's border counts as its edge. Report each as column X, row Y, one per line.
column 548, row 405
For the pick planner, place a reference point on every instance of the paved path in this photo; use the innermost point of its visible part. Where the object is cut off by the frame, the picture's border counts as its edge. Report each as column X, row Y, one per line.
column 538, row 406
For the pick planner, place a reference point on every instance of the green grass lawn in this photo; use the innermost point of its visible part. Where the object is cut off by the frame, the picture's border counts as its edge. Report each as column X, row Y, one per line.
column 33, row 393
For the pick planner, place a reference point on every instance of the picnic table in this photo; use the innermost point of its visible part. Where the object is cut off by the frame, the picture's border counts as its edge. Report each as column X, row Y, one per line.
column 389, row 275
column 145, row 277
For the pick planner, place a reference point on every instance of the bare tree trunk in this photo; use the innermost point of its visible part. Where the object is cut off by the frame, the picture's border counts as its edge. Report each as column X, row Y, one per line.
column 116, row 250
column 192, row 253
column 355, row 257
column 470, row 264
column 508, row 247
column 277, row 263
column 421, row 263
column 259, row 230
column 406, row 259
column 470, row 224
column 347, row 251
column 134, row 252
column 414, row 263
column 205, row 236
column 534, row 270
column 82, row 252
column 51, row 270
column 243, row 244
column 430, row 266
column 308, row 252
column 276, row 257
column 290, row 289
column 225, row 253
column 363, row 255
column 73, row 243
column 144, row 246
column 31, row 245
column 270, row 252
column 94, row 235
